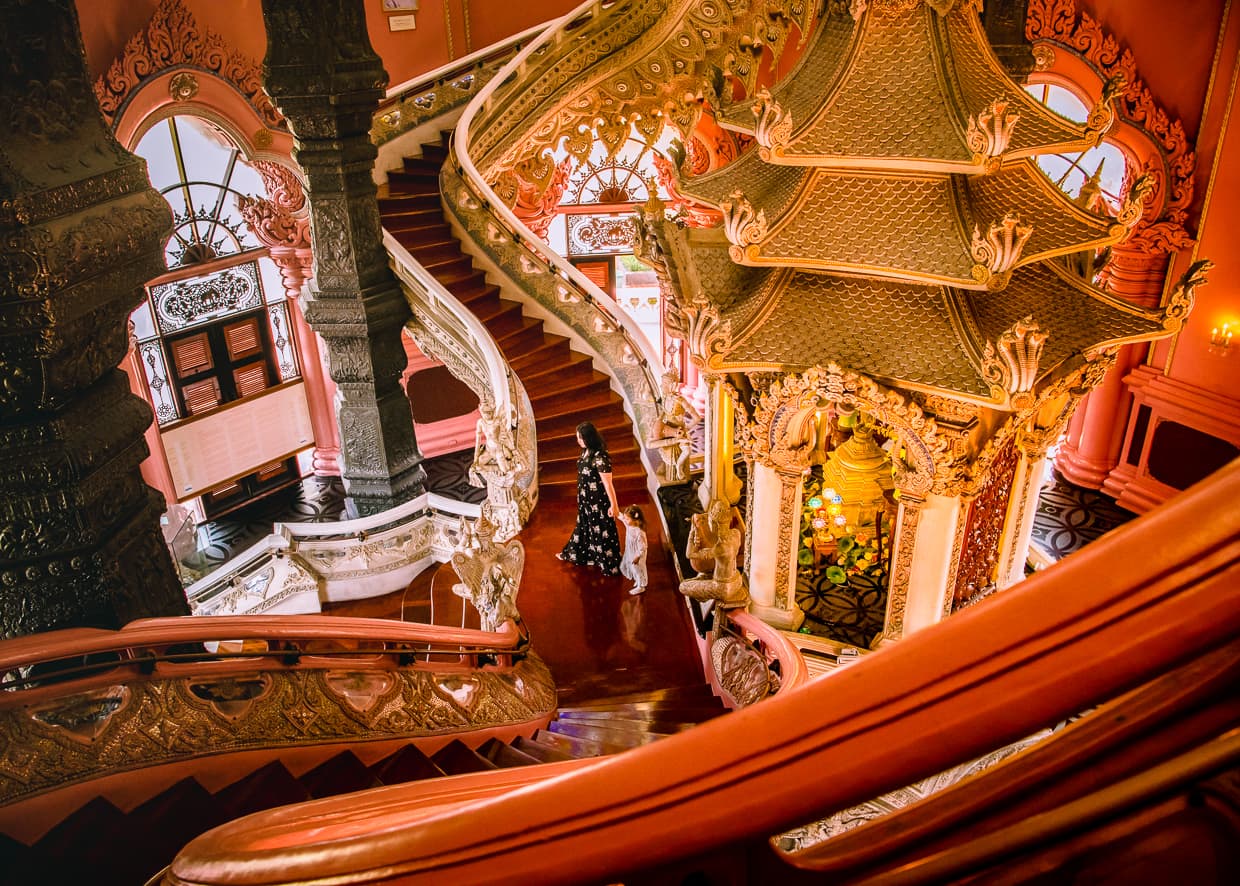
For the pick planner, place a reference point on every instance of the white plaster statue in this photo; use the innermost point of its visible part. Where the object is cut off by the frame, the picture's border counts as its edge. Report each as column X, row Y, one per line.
column 715, row 538
column 671, row 436
column 490, row 576
column 496, row 466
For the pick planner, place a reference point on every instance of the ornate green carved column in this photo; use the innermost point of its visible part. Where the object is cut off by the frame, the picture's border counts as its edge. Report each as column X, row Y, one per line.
column 327, row 81
column 81, row 230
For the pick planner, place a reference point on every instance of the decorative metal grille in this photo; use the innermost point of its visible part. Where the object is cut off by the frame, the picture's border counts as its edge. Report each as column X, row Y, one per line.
column 184, row 303
column 162, row 400
column 600, row 234
column 281, row 337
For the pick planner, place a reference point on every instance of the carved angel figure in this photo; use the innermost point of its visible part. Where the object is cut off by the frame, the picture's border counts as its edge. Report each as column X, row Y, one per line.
column 490, row 576
column 671, row 432
column 495, row 450
column 715, row 538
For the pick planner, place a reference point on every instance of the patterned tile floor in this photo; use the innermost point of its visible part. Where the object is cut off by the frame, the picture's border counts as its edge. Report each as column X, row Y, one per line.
column 1069, row 517
column 314, row 500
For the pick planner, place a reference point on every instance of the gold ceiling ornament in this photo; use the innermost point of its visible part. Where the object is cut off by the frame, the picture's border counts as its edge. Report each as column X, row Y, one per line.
column 183, row 86
column 774, row 125
column 1131, row 209
column 1176, row 311
column 1102, row 115
column 999, row 251
column 1010, row 366
column 708, row 335
column 742, row 225
column 990, row 132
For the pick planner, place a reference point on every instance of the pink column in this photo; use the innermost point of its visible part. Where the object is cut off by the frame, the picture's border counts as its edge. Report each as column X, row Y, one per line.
column 1096, row 433
column 294, row 264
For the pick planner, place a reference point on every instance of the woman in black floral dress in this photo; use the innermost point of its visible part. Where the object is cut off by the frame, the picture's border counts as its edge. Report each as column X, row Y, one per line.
column 595, row 540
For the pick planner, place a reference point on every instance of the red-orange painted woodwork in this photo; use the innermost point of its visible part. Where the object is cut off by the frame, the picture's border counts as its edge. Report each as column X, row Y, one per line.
column 1097, row 624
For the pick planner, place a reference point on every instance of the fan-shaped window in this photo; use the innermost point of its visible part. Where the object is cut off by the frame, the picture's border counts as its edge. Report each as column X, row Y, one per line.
column 1104, row 164
column 200, row 172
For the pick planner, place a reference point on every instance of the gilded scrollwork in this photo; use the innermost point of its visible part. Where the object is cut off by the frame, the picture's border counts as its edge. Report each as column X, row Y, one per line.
column 769, row 436
column 173, row 39
column 90, row 734
column 1010, row 365
column 990, row 132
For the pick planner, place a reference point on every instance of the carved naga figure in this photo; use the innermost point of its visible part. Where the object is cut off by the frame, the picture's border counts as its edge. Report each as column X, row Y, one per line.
column 490, row 575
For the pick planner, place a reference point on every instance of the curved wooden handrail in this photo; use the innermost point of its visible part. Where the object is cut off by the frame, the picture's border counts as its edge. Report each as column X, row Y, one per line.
column 159, row 633
column 792, row 670
column 1152, row 595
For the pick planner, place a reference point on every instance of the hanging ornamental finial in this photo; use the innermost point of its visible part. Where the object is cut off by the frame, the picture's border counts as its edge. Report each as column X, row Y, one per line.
column 998, row 252
column 990, row 132
column 1182, row 297
column 774, row 129
column 1010, row 367
column 742, row 225
column 1134, row 201
column 1102, row 115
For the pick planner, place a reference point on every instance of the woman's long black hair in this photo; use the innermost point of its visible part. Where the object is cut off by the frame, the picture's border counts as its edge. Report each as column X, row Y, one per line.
column 591, row 437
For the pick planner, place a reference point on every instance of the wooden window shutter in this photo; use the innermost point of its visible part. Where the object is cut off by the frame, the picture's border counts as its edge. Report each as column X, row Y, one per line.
column 598, row 272
column 268, row 472
column 243, row 339
column 250, row 380
column 201, row 395
column 191, row 355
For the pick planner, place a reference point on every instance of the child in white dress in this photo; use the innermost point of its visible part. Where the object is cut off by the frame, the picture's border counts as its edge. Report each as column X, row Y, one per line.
column 633, row 566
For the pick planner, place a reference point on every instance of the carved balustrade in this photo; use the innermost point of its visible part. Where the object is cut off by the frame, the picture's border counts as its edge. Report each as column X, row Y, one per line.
column 86, row 703
column 299, row 565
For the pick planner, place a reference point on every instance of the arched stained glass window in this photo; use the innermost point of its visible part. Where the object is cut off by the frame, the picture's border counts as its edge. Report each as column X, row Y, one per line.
column 200, row 173
column 1071, row 171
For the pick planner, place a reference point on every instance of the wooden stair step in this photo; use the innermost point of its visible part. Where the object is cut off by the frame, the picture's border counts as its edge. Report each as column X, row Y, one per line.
column 578, row 748
column 407, row 764
column 455, row 758
column 506, row 756
column 647, row 710
column 650, row 726
column 272, row 785
column 671, row 694
column 342, row 774
column 616, row 737
column 541, row 752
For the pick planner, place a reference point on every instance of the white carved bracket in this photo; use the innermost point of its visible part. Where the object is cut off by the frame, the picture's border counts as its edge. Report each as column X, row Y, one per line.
column 742, row 225
column 990, row 133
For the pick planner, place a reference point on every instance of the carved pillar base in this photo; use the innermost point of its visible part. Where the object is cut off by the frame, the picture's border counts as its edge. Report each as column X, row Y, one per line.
column 80, row 542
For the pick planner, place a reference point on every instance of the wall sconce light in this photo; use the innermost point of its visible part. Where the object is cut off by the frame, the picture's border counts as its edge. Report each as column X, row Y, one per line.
column 1220, row 338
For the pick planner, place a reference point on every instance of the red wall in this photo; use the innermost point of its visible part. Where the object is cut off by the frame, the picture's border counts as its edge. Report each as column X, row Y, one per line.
column 107, row 24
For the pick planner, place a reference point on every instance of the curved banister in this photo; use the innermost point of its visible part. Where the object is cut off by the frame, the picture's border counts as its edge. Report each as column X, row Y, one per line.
column 793, row 673
column 610, row 312
column 141, row 636
column 450, row 310
column 1150, row 596
column 421, row 98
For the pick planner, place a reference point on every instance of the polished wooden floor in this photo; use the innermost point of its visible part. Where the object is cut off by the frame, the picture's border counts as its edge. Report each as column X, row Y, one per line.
column 597, row 639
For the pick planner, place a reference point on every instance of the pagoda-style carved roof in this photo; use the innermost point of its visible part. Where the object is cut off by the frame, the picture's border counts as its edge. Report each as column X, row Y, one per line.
column 930, row 337
column 894, row 220
column 901, row 84
column 967, row 231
